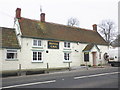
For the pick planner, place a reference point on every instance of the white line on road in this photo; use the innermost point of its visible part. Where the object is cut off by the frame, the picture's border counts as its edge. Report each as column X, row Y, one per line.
column 29, row 84
column 95, row 75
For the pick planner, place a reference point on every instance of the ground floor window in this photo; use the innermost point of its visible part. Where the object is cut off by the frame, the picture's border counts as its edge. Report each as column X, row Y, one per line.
column 37, row 56
column 67, row 56
column 11, row 54
column 86, row 56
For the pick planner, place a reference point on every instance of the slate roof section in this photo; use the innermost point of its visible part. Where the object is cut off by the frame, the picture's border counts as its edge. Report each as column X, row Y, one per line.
column 89, row 47
column 8, row 38
column 51, row 31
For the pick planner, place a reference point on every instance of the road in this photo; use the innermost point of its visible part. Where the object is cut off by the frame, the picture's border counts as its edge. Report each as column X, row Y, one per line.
column 92, row 78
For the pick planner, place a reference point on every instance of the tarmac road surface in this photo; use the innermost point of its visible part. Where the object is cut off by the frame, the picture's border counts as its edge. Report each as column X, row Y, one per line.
column 91, row 78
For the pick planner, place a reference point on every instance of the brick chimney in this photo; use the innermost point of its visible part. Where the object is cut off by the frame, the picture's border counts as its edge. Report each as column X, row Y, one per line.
column 18, row 13
column 42, row 16
column 94, row 27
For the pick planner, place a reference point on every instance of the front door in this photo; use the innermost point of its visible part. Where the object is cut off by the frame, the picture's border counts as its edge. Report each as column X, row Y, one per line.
column 94, row 58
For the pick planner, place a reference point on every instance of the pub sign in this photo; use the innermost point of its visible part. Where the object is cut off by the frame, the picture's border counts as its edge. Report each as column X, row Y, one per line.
column 53, row 45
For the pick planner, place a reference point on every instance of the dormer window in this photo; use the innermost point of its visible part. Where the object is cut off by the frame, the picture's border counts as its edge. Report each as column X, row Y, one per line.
column 67, row 44
column 37, row 42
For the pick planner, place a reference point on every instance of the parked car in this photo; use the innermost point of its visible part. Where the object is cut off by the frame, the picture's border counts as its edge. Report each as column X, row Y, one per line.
column 114, row 57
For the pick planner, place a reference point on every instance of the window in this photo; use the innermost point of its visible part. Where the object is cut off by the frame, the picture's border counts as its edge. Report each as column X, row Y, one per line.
column 66, row 56
column 36, row 42
column 37, row 56
column 86, row 56
column 11, row 54
column 39, row 42
column 34, row 55
column 67, row 44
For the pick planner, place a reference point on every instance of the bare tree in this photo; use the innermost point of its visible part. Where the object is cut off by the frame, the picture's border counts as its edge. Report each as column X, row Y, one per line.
column 73, row 22
column 107, row 30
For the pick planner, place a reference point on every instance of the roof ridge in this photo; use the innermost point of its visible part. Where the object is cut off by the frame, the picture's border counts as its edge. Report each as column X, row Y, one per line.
column 22, row 18
column 7, row 28
column 71, row 26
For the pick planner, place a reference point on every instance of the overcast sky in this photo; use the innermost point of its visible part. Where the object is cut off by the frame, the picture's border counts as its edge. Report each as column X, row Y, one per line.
column 88, row 12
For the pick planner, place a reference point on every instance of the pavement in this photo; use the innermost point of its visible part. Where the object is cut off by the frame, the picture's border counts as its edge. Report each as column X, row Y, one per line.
column 81, row 68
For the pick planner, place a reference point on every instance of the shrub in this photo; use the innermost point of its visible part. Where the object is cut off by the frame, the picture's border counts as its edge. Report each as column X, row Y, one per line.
column 89, row 65
column 82, row 65
column 99, row 64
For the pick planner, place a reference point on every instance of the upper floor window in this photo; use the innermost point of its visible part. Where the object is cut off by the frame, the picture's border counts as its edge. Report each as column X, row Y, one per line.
column 11, row 54
column 67, row 44
column 37, row 42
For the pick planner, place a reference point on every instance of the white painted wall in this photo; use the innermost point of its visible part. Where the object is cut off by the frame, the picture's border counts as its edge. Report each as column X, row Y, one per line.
column 103, row 50
column 8, row 64
column 55, row 57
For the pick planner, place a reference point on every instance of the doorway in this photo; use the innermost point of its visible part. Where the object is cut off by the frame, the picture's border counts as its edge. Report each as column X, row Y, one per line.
column 94, row 58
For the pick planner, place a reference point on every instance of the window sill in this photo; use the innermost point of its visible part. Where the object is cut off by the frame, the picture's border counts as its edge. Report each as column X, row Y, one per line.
column 41, row 47
column 67, row 61
column 11, row 59
column 37, row 61
column 67, row 49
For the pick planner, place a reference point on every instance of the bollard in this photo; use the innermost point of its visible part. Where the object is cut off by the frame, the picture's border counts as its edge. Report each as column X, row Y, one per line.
column 47, row 68
column 69, row 66
column 86, row 66
column 101, row 63
column 19, row 73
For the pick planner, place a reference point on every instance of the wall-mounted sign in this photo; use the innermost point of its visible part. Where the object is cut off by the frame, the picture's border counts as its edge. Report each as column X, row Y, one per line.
column 86, row 56
column 53, row 45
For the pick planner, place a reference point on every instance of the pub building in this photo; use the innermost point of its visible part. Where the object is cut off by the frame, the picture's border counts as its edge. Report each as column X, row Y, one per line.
column 43, row 43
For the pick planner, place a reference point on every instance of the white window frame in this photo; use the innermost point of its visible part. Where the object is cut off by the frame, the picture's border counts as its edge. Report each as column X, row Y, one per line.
column 37, row 43
column 13, row 51
column 37, row 58
column 68, row 45
column 68, row 57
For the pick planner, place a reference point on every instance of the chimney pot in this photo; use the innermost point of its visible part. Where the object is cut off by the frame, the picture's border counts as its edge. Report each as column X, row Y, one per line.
column 42, row 17
column 94, row 27
column 18, row 13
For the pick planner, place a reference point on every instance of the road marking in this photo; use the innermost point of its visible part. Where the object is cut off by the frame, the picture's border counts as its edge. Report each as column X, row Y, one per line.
column 29, row 84
column 95, row 75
